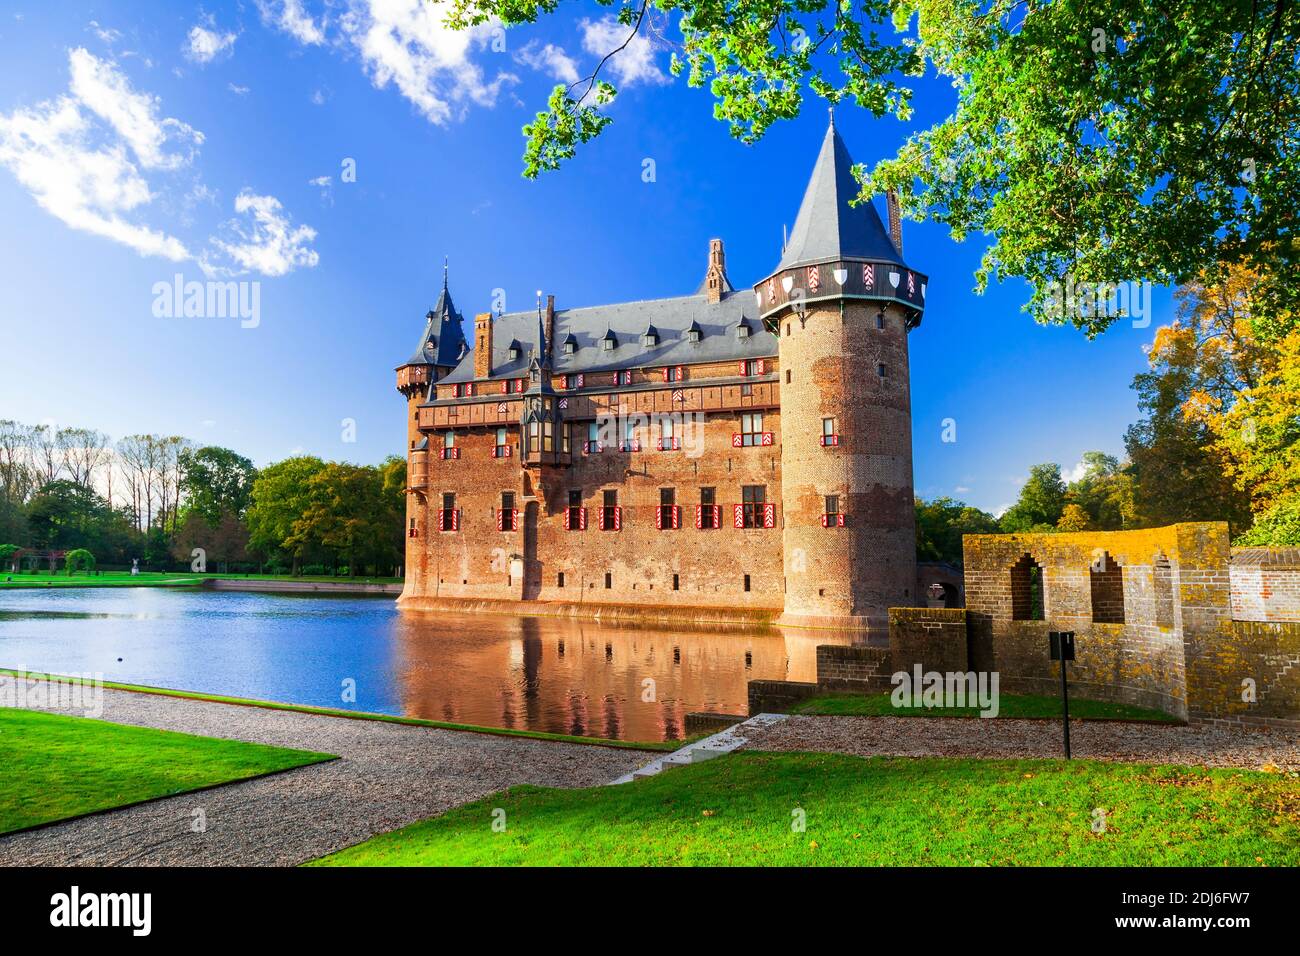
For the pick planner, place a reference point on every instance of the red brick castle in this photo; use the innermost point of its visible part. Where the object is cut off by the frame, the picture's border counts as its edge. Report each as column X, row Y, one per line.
column 725, row 455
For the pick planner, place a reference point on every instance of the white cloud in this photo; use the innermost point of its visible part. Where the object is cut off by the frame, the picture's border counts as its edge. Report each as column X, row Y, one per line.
column 1076, row 473
column 203, row 45
column 106, row 34
column 404, row 42
column 88, row 174
column 321, row 181
column 633, row 64
column 550, row 59
column 237, row 90
column 268, row 242
column 290, row 17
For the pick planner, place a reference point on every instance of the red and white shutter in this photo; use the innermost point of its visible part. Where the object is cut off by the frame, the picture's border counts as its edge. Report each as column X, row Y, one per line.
column 582, row 519
column 738, row 515
column 742, row 367
column 677, row 517
column 568, row 519
column 581, row 379
column 667, row 374
column 681, row 373
column 762, row 366
column 769, row 515
column 455, row 519
column 659, row 518
column 737, row 440
column 699, row 517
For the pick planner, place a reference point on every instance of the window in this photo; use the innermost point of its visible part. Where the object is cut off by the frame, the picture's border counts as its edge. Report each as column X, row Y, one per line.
column 668, row 440
column 1027, row 602
column 575, row 516
column 608, row 344
column 880, row 370
column 677, row 582
column 753, row 367
column 623, row 378
column 667, row 514
column 629, row 442
column 448, row 518
column 507, row 517
column 611, row 517
column 463, row 391
column 411, row 532
column 548, row 436
column 742, row 330
column 746, row 582
column 787, row 376
column 832, row 517
column 751, row 429
column 753, row 498
column 502, row 449
column 650, row 339
column 880, row 320
column 449, row 449
column 559, row 580
column 1106, row 581
column 592, row 445
column 707, row 516
column 830, row 436
column 609, row 580
column 566, row 439
column 570, row 347
column 513, row 353
column 693, row 335
column 674, row 373
column 746, row 390
column 574, row 381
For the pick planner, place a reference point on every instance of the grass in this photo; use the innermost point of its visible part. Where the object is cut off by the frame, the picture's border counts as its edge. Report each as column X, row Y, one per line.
column 1009, row 705
column 738, row 810
column 57, row 766
column 147, row 579
column 654, row 745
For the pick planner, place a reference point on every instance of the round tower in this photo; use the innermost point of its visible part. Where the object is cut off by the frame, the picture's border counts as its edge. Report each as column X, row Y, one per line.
column 842, row 302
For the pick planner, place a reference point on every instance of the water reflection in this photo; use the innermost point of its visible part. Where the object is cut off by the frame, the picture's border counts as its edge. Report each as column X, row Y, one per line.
column 558, row 675
column 573, row 677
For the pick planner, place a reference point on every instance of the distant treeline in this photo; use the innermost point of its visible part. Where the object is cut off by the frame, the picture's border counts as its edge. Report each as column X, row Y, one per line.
column 157, row 499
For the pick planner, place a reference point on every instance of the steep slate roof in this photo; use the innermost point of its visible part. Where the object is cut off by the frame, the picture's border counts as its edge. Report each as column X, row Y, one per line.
column 628, row 320
column 444, row 333
column 827, row 227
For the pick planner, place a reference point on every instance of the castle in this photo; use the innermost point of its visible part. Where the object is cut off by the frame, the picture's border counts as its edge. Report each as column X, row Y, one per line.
column 733, row 454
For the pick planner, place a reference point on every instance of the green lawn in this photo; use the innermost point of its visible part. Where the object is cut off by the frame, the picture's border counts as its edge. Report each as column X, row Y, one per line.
column 56, row 766
column 125, row 579
column 1009, row 705
column 738, row 810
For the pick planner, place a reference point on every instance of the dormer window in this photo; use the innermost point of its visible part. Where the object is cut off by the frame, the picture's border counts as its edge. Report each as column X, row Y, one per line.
column 649, row 339
column 570, row 347
column 513, row 353
column 693, row 335
column 742, row 330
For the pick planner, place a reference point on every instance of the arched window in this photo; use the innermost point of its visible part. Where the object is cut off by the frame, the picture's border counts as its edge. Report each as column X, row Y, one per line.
column 1027, row 590
column 1107, row 582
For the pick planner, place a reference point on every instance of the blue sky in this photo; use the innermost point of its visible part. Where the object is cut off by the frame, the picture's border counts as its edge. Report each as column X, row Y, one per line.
column 141, row 140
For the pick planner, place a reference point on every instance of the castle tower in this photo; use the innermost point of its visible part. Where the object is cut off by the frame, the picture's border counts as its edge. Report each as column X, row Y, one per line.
column 842, row 302
column 440, row 349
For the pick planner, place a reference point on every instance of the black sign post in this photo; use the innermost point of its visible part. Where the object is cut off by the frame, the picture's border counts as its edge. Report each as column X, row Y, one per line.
column 1062, row 649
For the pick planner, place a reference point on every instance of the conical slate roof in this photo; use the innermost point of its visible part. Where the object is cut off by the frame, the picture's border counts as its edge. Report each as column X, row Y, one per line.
column 444, row 333
column 827, row 227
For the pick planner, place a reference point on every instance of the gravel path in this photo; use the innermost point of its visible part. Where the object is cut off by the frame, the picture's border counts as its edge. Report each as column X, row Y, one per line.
column 976, row 737
column 390, row 775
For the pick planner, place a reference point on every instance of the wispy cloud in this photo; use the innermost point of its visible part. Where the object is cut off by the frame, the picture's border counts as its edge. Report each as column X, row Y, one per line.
column 404, row 44
column 549, row 59
column 82, row 155
column 264, row 241
column 204, row 44
column 634, row 63
column 290, row 16
column 237, row 89
column 97, row 156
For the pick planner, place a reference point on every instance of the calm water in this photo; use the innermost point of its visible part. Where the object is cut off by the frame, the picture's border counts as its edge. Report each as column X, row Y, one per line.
column 536, row 673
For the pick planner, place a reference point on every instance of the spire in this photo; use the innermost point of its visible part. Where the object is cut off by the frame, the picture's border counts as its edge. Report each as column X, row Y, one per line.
column 827, row 226
column 543, row 356
column 444, row 333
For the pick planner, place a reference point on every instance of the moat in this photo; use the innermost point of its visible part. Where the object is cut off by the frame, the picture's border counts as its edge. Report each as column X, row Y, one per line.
column 555, row 675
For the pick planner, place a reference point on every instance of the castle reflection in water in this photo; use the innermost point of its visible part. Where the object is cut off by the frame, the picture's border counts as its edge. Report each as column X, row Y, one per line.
column 585, row 678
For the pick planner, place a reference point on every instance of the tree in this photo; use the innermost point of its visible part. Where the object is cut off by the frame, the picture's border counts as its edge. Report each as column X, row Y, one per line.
column 1103, row 494
column 79, row 559
column 1099, row 142
column 1074, row 518
column 279, row 497
column 1258, row 441
column 82, row 452
column 1042, row 499
column 940, row 525
column 216, row 481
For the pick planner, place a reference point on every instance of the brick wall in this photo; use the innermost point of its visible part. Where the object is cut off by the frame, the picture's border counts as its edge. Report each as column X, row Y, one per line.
column 1265, row 584
column 855, row 667
column 1248, row 656
column 935, row 638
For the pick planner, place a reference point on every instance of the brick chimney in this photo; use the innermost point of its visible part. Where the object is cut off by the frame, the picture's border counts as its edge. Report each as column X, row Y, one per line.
column 895, row 220
column 715, row 280
column 483, row 345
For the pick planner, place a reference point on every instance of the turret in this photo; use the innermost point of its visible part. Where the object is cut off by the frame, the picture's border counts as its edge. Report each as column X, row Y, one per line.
column 842, row 301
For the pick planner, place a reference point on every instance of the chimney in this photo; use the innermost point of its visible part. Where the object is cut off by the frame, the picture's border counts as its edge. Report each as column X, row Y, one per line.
column 483, row 345
column 715, row 279
column 895, row 220
column 550, row 326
